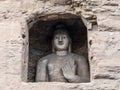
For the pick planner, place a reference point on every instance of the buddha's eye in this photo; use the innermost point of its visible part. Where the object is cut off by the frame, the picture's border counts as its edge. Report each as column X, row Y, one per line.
column 56, row 37
column 64, row 37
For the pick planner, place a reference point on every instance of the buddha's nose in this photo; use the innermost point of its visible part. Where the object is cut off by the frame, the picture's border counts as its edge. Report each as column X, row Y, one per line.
column 60, row 39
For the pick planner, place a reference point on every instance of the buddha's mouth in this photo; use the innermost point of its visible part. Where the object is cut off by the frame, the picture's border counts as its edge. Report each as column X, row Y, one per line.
column 60, row 43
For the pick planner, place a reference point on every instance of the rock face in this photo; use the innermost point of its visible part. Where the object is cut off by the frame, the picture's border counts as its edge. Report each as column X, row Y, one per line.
column 102, row 20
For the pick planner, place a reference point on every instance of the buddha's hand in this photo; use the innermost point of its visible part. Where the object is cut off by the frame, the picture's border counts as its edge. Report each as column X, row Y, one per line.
column 69, row 69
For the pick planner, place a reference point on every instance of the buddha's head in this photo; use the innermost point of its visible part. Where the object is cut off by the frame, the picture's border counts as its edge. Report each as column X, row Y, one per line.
column 61, row 40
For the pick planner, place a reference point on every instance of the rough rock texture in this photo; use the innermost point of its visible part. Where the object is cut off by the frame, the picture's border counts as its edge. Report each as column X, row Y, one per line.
column 17, row 16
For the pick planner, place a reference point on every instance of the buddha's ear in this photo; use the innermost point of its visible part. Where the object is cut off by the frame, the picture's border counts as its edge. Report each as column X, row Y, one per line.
column 69, row 48
column 53, row 49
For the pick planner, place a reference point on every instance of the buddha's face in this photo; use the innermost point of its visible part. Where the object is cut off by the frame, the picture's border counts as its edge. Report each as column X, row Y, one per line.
column 61, row 41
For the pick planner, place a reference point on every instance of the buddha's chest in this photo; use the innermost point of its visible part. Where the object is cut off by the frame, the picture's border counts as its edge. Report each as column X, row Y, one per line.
column 56, row 65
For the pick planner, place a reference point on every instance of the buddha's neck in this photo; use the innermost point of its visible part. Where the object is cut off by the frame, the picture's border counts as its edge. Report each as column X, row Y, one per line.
column 62, row 53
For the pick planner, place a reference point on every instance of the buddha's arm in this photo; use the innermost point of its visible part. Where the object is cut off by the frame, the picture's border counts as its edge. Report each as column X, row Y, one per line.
column 82, row 70
column 41, row 72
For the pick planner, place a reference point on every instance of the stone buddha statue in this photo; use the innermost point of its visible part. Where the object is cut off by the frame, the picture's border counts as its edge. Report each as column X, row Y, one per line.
column 62, row 65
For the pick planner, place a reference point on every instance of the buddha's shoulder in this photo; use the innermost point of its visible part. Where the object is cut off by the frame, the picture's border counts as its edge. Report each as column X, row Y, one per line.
column 47, row 57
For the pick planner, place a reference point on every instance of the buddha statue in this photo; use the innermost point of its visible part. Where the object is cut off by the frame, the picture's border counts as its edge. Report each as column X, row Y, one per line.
column 62, row 65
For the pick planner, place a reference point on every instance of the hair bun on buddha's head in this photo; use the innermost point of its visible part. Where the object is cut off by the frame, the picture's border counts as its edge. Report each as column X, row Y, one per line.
column 60, row 29
column 60, row 26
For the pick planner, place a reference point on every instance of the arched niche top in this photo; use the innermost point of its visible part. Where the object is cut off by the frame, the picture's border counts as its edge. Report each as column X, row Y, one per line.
column 88, row 19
